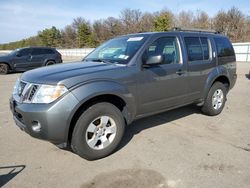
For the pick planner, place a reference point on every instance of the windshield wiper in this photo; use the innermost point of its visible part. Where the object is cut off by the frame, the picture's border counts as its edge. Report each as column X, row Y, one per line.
column 99, row 60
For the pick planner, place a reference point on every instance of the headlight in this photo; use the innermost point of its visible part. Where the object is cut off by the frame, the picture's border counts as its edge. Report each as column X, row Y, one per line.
column 16, row 87
column 48, row 93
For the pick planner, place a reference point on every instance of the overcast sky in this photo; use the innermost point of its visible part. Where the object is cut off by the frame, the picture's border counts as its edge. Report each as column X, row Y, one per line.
column 24, row 18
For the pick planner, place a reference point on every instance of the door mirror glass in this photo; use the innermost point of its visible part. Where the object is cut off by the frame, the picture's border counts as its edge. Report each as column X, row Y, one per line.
column 18, row 54
column 154, row 60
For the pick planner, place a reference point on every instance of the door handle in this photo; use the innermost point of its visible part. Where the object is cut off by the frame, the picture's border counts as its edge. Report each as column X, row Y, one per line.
column 180, row 72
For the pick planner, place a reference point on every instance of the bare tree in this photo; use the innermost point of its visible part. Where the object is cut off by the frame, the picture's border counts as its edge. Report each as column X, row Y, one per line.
column 185, row 19
column 202, row 20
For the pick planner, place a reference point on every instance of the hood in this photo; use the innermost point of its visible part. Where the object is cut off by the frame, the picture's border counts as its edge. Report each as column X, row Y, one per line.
column 61, row 72
column 4, row 57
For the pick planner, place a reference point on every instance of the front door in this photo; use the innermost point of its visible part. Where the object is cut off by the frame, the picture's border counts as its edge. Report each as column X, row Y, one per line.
column 164, row 85
column 22, row 59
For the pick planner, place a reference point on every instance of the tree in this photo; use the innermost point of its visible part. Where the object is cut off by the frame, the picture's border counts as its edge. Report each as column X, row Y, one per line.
column 147, row 22
column 69, row 37
column 131, row 20
column 202, row 20
column 164, row 21
column 50, row 37
column 85, row 36
column 232, row 23
column 185, row 19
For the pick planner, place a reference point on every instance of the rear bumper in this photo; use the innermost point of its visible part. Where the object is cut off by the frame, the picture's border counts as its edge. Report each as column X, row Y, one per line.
column 54, row 119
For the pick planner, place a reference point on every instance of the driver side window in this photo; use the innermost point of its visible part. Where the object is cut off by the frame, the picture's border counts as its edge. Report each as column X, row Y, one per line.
column 167, row 47
column 24, row 52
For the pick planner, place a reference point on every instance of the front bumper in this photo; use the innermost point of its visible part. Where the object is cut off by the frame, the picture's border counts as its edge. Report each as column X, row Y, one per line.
column 53, row 118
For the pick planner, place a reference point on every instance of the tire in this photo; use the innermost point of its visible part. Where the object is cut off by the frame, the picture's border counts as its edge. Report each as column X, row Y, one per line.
column 4, row 68
column 48, row 63
column 215, row 101
column 92, row 143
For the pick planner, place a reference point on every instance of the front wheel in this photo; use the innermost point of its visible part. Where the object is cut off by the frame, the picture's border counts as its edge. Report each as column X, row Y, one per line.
column 4, row 68
column 215, row 101
column 98, row 131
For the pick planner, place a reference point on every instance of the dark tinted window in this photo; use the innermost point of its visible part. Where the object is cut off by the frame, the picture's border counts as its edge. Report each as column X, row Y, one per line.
column 47, row 51
column 205, row 47
column 42, row 51
column 167, row 47
column 194, row 49
column 24, row 52
column 224, row 47
column 36, row 51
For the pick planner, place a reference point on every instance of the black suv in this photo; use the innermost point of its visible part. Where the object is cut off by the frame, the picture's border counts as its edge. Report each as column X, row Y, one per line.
column 29, row 58
column 88, row 104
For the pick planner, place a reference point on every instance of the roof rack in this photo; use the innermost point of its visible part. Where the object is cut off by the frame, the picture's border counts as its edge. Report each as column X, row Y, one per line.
column 195, row 30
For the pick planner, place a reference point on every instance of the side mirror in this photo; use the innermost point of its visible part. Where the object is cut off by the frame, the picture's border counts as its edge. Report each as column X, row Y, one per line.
column 154, row 60
column 18, row 54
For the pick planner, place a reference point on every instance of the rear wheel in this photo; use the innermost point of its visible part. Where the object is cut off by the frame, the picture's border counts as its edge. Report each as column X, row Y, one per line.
column 50, row 63
column 4, row 68
column 215, row 100
column 98, row 131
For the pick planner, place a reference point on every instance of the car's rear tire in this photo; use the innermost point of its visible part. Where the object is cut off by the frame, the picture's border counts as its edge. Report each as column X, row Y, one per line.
column 98, row 131
column 215, row 101
column 48, row 63
column 4, row 68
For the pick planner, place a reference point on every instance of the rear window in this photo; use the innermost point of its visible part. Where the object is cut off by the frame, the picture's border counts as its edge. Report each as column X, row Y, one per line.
column 224, row 47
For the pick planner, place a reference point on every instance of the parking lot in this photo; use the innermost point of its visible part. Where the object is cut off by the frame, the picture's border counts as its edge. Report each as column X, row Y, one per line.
column 179, row 148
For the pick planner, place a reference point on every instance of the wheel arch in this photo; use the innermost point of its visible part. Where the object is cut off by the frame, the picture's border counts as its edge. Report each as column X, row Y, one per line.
column 6, row 63
column 116, row 100
column 47, row 60
column 216, row 78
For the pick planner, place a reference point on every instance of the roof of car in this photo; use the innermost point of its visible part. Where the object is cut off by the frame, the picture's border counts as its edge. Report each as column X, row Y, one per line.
column 182, row 31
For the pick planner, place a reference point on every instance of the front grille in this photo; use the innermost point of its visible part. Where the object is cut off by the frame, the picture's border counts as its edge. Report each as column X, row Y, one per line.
column 32, row 92
column 26, row 92
column 21, row 88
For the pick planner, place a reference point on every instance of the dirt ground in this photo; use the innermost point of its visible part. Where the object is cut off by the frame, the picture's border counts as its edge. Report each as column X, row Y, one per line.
column 179, row 148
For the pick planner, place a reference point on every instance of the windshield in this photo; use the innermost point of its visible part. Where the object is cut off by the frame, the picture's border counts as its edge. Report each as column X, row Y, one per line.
column 118, row 50
column 14, row 52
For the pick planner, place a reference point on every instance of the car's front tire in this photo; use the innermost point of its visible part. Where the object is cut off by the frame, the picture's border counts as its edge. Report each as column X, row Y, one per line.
column 216, row 99
column 98, row 131
column 4, row 68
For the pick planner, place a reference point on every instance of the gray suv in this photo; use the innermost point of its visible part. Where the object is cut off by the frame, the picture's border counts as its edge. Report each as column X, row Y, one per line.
column 88, row 104
column 24, row 59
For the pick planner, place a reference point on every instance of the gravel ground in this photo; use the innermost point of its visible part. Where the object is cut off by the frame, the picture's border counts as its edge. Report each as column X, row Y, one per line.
column 179, row 148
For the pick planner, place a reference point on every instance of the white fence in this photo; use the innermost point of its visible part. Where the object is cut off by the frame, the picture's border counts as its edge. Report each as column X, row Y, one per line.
column 78, row 52
column 242, row 51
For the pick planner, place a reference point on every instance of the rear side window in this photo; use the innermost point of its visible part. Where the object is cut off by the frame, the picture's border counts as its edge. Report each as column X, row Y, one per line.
column 47, row 51
column 197, row 48
column 194, row 49
column 224, row 47
column 36, row 51
column 41, row 51
column 205, row 47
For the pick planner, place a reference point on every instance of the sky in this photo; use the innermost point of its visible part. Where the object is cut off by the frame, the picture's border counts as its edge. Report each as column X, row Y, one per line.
column 24, row 18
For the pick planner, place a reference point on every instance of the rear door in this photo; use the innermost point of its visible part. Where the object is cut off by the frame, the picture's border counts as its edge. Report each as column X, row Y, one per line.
column 200, row 63
column 38, row 57
column 163, row 86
